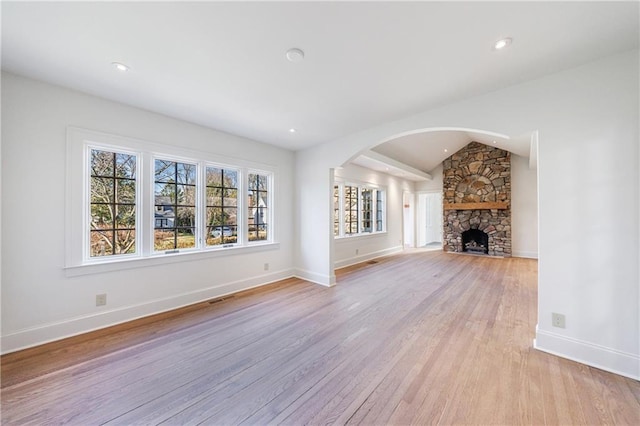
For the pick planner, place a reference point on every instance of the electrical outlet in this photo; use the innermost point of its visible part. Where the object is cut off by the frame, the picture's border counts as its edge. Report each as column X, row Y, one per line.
column 101, row 299
column 558, row 320
column 266, row 266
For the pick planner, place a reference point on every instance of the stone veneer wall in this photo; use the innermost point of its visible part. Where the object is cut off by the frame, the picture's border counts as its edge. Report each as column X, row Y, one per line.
column 478, row 173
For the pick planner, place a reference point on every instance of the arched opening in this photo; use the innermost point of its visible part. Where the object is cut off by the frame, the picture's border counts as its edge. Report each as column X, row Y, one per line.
column 415, row 158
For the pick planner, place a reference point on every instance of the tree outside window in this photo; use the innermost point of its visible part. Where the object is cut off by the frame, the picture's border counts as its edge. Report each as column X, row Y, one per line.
column 112, row 203
column 351, row 211
column 175, row 205
column 222, row 206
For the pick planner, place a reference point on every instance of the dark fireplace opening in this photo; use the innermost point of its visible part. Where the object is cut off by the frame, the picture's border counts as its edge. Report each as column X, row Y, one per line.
column 475, row 241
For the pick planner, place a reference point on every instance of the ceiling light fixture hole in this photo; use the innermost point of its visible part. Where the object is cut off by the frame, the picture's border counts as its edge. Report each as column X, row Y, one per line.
column 502, row 43
column 120, row 66
column 295, row 55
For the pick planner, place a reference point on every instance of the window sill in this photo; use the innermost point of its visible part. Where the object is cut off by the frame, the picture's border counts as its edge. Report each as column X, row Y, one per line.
column 363, row 235
column 163, row 259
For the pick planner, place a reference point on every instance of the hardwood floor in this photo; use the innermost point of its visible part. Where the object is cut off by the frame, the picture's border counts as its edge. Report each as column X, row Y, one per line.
column 419, row 338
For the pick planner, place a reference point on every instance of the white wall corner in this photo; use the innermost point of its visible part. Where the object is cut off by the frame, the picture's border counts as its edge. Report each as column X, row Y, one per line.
column 314, row 277
column 46, row 333
column 525, row 254
column 603, row 358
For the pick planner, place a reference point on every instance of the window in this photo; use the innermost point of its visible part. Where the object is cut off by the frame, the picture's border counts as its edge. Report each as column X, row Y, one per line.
column 379, row 211
column 129, row 199
column 350, row 210
column 361, row 207
column 112, row 202
column 366, row 210
column 336, row 210
column 222, row 206
column 175, row 205
column 257, row 219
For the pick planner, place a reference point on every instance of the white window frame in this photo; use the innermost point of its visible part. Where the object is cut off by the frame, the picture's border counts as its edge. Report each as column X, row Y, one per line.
column 270, row 199
column 77, row 203
column 86, row 228
column 376, row 189
column 198, row 206
column 240, row 215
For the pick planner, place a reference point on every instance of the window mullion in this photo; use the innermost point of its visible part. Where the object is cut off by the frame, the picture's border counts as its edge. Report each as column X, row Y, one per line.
column 201, row 205
column 242, row 207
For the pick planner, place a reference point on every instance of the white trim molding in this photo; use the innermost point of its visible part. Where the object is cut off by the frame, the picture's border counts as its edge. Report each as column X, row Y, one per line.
column 367, row 256
column 322, row 279
column 525, row 254
column 601, row 357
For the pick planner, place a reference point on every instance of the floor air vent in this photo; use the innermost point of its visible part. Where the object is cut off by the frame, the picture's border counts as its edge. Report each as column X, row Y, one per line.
column 212, row 301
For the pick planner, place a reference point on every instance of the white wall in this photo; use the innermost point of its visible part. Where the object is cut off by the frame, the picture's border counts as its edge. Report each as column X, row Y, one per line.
column 588, row 162
column 379, row 244
column 40, row 300
column 524, row 208
column 433, row 185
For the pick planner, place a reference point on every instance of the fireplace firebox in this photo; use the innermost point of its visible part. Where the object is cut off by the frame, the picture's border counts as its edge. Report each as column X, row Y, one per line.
column 475, row 241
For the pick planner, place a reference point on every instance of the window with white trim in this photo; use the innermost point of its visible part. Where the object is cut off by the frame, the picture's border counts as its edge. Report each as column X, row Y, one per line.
column 358, row 209
column 258, row 214
column 129, row 199
column 112, row 203
column 351, row 210
column 222, row 206
column 175, row 202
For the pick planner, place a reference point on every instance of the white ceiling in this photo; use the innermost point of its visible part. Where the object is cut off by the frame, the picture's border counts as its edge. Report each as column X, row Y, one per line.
column 222, row 64
column 425, row 151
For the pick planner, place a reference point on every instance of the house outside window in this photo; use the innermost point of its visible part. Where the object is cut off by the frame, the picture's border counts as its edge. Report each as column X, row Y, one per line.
column 175, row 205
column 258, row 207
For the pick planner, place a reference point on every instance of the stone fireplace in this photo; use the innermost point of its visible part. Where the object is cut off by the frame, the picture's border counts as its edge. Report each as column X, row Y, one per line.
column 477, row 201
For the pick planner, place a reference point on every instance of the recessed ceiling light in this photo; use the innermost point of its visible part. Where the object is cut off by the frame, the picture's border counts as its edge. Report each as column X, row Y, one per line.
column 120, row 67
column 494, row 142
column 295, row 55
column 292, row 130
column 446, row 150
column 502, row 43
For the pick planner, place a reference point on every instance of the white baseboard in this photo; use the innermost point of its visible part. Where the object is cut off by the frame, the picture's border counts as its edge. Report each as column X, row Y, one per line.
column 603, row 358
column 35, row 336
column 368, row 256
column 525, row 254
column 314, row 277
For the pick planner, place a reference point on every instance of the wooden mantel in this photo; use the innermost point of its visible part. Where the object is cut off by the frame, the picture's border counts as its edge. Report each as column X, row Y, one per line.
column 497, row 205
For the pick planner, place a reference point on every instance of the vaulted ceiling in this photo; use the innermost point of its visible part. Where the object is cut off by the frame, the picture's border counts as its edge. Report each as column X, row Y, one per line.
column 223, row 64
